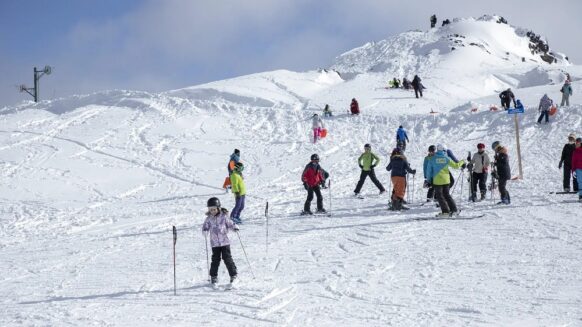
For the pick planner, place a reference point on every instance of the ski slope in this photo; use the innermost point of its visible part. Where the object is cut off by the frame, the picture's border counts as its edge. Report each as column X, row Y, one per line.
column 92, row 185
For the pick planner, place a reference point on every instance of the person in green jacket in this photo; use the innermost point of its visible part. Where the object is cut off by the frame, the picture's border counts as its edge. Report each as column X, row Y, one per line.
column 367, row 161
column 439, row 177
column 239, row 190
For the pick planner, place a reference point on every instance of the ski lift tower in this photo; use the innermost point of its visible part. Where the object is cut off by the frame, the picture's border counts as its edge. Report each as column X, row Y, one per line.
column 37, row 75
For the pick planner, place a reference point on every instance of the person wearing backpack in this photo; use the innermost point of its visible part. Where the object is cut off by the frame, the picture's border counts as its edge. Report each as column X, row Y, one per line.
column 544, row 108
column 438, row 175
column 367, row 162
column 479, row 165
column 566, row 93
column 312, row 177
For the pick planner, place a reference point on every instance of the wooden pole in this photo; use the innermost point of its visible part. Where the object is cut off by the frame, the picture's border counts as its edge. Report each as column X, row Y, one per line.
column 518, row 146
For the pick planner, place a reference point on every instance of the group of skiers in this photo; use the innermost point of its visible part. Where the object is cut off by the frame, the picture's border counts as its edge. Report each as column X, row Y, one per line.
column 571, row 162
column 407, row 85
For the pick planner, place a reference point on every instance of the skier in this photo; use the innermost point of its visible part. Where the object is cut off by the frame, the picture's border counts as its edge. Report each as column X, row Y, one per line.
column 239, row 190
column 566, row 93
column 317, row 125
column 433, row 21
column 427, row 184
column 216, row 225
column 544, row 108
column 566, row 161
column 479, row 165
column 311, row 178
column 502, row 171
column 367, row 162
column 439, row 176
column 399, row 167
column 234, row 159
column 417, row 85
column 506, row 97
column 401, row 138
column 577, row 165
column 327, row 111
column 355, row 107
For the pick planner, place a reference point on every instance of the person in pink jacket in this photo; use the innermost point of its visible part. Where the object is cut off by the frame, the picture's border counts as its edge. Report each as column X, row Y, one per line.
column 577, row 165
column 217, row 225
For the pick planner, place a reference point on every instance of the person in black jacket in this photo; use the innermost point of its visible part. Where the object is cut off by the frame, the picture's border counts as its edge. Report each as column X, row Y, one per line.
column 502, row 171
column 566, row 162
column 506, row 97
column 399, row 167
column 417, row 85
column 433, row 21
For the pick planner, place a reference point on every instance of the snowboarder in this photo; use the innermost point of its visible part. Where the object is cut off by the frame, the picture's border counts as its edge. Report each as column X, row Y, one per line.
column 216, row 225
column 399, row 167
column 311, row 178
column 433, row 21
column 367, row 162
column 239, row 190
column 566, row 161
column 234, row 159
column 401, row 138
column 506, row 97
column 502, row 171
column 354, row 107
column 566, row 93
column 327, row 111
column 427, row 184
column 479, row 165
column 439, row 176
column 317, row 125
column 577, row 165
column 544, row 108
column 417, row 85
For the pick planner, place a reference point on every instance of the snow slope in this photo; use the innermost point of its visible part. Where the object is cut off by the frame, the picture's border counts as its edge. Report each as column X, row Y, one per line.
column 91, row 186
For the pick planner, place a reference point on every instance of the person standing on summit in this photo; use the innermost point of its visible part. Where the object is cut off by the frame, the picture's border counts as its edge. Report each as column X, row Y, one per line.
column 433, row 21
column 417, row 85
column 401, row 138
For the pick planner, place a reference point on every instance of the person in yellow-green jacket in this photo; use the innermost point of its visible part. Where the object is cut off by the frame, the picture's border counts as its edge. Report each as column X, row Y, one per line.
column 239, row 190
column 367, row 161
column 438, row 176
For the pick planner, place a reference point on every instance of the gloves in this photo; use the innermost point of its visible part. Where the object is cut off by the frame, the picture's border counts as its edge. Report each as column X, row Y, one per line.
column 305, row 186
column 427, row 184
column 413, row 172
column 463, row 166
column 237, row 195
column 470, row 166
column 361, row 167
column 574, row 174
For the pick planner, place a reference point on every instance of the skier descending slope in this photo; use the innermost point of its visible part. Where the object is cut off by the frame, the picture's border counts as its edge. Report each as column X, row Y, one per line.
column 577, row 165
column 502, row 170
column 399, row 167
column 311, row 178
column 367, row 162
column 566, row 161
column 217, row 225
column 439, row 176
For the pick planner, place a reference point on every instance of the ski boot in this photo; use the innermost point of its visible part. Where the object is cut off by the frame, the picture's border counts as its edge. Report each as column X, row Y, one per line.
column 233, row 283
column 214, row 282
column 482, row 196
column 321, row 211
column 443, row 215
column 306, row 213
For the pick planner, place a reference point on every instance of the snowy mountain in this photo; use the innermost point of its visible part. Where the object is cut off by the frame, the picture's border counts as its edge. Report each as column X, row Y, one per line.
column 92, row 184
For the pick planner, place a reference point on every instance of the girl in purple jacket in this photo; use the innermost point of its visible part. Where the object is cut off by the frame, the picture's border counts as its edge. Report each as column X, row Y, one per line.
column 217, row 225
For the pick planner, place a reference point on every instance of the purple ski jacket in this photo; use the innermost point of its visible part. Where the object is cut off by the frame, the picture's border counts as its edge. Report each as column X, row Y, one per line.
column 217, row 227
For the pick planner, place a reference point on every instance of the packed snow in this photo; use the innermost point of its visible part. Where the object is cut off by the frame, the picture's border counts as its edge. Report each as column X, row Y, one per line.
column 92, row 185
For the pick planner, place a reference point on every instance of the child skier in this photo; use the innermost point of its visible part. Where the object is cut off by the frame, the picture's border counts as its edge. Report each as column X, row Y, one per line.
column 312, row 177
column 427, row 184
column 239, row 190
column 502, row 171
column 217, row 225
column 399, row 167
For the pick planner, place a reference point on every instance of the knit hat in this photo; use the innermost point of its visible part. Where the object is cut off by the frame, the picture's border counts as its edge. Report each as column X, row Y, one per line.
column 572, row 136
column 431, row 148
column 236, row 151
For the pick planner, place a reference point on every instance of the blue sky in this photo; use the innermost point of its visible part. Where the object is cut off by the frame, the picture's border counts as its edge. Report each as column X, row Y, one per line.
column 156, row 45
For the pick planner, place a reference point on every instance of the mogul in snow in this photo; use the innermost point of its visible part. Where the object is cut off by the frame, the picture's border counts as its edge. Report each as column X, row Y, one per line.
column 566, row 162
column 312, row 177
column 216, row 226
column 502, row 171
column 399, row 168
column 427, row 184
column 439, row 176
column 367, row 162
column 479, row 166
column 239, row 190
column 577, row 165
column 401, row 138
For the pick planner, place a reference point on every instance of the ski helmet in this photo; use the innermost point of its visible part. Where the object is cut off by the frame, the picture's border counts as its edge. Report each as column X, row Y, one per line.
column 213, row 202
column 315, row 157
column 441, row 147
column 579, row 140
column 495, row 145
column 239, row 167
column 480, row 146
column 236, row 151
column 367, row 145
column 431, row 148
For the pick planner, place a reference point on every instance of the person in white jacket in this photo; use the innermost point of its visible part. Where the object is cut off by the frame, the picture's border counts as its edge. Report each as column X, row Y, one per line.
column 479, row 166
column 317, row 125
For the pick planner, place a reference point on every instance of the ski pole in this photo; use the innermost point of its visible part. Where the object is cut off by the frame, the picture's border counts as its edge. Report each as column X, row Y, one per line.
column 456, row 182
column 462, row 179
column 267, row 227
column 413, row 180
column 329, row 188
column 407, row 190
column 207, row 261
column 245, row 252
column 175, row 238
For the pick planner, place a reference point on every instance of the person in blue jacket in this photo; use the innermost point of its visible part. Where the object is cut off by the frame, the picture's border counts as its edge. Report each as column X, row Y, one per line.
column 439, row 176
column 401, row 138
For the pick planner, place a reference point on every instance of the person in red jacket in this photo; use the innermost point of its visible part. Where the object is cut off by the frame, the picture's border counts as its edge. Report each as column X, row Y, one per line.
column 354, row 107
column 312, row 177
column 577, row 165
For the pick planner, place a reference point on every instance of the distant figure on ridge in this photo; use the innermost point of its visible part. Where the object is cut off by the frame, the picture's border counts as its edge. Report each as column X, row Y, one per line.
column 417, row 85
column 355, row 107
column 327, row 111
column 433, row 21
column 506, row 97
column 566, row 93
